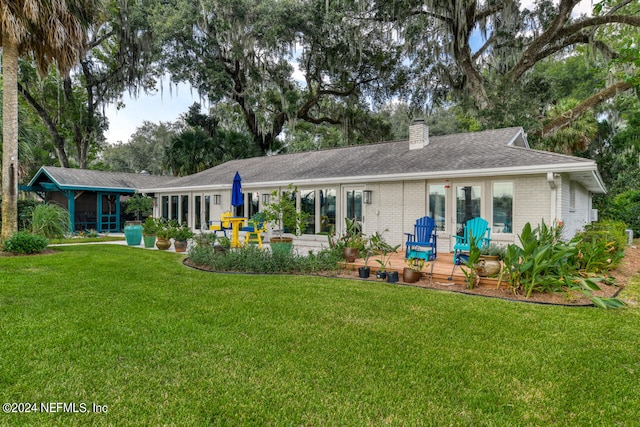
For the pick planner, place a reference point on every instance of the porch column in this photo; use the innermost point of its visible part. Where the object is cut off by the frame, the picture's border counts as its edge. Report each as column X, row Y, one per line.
column 71, row 207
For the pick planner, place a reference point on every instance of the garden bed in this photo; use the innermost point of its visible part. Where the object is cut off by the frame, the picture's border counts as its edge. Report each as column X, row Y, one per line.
column 623, row 274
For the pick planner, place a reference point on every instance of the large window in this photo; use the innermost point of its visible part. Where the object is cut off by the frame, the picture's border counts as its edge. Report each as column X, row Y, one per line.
column 165, row 207
column 207, row 211
column 174, row 207
column 308, row 205
column 196, row 212
column 327, row 210
column 502, row 207
column 353, row 208
column 253, row 200
column 437, row 203
column 467, row 205
column 185, row 209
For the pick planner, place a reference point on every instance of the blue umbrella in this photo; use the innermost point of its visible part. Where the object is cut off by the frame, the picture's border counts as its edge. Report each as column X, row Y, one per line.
column 236, row 191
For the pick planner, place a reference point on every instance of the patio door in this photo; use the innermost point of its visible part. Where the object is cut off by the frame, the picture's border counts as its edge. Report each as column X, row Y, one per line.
column 468, row 205
column 352, row 204
column 108, row 212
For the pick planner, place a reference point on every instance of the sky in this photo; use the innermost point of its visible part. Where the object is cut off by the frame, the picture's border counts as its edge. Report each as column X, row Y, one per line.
column 168, row 104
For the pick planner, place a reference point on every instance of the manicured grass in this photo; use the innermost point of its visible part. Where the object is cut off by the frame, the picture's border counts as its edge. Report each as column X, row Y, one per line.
column 631, row 292
column 161, row 344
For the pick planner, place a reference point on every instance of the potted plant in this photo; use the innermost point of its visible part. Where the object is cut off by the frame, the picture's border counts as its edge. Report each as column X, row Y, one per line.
column 138, row 205
column 365, row 271
column 413, row 272
column 181, row 236
column 282, row 211
column 489, row 262
column 164, row 233
column 385, row 250
column 149, row 230
column 353, row 240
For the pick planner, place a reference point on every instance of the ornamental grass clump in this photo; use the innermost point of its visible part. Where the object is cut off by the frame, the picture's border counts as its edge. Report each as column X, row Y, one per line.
column 49, row 220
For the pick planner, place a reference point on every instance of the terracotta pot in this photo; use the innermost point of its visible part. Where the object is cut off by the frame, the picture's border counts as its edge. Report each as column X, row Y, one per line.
column 163, row 244
column 180, row 245
column 489, row 265
column 350, row 254
column 411, row 276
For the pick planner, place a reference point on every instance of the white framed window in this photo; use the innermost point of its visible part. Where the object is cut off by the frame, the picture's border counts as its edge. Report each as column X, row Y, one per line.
column 438, row 205
column 502, row 212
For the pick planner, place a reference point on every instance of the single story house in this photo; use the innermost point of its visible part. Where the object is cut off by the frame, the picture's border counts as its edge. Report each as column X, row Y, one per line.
column 386, row 186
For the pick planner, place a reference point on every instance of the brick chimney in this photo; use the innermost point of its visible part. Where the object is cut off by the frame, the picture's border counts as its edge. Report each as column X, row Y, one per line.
column 418, row 135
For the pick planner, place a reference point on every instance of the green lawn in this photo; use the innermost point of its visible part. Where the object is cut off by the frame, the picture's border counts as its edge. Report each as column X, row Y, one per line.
column 160, row 344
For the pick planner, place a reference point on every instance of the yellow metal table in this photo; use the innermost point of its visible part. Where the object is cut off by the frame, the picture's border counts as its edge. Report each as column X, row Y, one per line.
column 236, row 225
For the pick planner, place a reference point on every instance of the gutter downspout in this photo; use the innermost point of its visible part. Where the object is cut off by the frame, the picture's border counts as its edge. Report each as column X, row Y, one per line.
column 554, row 196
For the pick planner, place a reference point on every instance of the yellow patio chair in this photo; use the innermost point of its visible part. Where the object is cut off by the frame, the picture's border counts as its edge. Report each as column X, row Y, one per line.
column 254, row 229
column 223, row 225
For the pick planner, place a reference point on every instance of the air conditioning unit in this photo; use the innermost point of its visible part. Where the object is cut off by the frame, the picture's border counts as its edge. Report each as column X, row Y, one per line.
column 629, row 236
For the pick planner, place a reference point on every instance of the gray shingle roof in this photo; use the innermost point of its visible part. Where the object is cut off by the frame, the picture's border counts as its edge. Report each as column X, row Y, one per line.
column 452, row 155
column 69, row 178
column 448, row 154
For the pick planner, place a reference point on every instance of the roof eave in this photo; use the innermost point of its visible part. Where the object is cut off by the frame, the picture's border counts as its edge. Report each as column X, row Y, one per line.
column 447, row 174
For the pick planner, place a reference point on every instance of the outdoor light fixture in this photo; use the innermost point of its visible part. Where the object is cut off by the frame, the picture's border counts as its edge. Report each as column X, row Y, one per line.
column 216, row 199
column 266, row 199
column 366, row 196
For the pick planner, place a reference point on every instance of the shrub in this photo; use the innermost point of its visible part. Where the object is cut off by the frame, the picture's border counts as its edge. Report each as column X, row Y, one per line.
column 543, row 263
column 139, row 205
column 625, row 207
column 25, row 243
column 611, row 231
column 600, row 246
column 49, row 220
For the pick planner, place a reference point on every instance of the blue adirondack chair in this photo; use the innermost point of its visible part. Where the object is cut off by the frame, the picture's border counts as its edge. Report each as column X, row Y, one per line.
column 423, row 242
column 479, row 229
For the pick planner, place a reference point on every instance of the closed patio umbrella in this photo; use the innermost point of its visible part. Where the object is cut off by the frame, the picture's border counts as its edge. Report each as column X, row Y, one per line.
column 236, row 191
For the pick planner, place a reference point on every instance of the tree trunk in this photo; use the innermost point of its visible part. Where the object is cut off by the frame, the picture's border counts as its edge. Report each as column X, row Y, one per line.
column 9, row 136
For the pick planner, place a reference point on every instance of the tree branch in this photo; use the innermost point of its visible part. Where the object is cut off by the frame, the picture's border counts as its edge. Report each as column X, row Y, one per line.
column 527, row 60
column 574, row 114
column 58, row 140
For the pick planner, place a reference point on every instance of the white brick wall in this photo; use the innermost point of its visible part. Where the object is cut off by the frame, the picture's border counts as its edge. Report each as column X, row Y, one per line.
column 574, row 218
column 531, row 202
column 396, row 206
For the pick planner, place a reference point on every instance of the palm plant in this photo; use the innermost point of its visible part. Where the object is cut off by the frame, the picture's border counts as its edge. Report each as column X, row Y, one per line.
column 49, row 31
